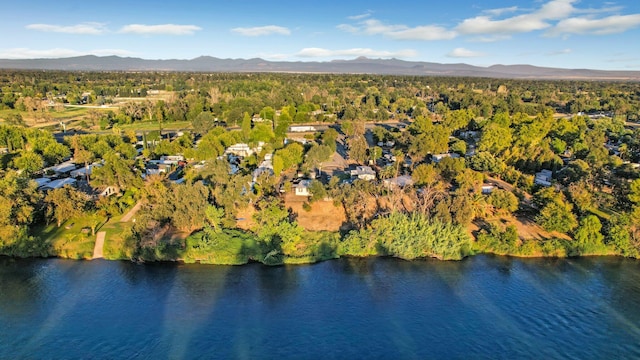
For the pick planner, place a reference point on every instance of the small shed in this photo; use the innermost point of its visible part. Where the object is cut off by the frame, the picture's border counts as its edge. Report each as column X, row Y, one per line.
column 42, row 181
column 302, row 188
column 63, row 169
column 56, row 184
column 363, row 173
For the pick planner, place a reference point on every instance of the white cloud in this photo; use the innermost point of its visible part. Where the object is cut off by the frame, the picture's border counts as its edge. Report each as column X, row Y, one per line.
column 25, row 53
column 427, row 32
column 274, row 56
column 622, row 59
column 106, row 52
column 464, row 53
column 324, row 53
column 399, row 32
column 560, row 52
column 374, row 27
column 262, row 30
column 500, row 11
column 536, row 20
column 490, row 38
column 360, row 16
column 348, row 28
column 88, row 28
column 555, row 16
column 162, row 29
column 608, row 9
column 608, row 25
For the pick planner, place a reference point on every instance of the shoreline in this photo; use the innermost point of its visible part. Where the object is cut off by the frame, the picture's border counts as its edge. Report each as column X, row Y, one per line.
column 294, row 263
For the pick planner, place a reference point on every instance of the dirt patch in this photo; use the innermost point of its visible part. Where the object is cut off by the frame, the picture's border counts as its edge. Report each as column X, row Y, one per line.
column 527, row 228
column 323, row 216
column 177, row 236
column 244, row 220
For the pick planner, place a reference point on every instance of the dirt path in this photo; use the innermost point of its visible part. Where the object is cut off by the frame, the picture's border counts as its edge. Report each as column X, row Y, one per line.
column 323, row 216
column 131, row 212
column 97, row 250
column 506, row 186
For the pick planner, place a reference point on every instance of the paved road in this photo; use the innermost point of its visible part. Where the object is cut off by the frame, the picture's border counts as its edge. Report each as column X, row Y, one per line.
column 97, row 249
column 131, row 212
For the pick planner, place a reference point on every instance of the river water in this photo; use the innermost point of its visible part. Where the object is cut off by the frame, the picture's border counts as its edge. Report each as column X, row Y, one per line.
column 482, row 307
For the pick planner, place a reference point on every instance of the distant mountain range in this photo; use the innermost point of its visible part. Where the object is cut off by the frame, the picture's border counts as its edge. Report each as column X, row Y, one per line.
column 356, row 66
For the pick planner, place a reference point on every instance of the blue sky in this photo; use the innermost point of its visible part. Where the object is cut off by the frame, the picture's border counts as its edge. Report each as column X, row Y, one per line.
column 557, row 33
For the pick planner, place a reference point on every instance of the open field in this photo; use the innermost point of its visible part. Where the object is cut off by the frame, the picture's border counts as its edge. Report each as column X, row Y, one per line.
column 73, row 239
column 53, row 117
column 153, row 125
column 323, row 216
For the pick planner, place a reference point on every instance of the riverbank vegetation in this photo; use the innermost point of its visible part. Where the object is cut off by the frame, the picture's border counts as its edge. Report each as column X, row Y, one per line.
column 284, row 168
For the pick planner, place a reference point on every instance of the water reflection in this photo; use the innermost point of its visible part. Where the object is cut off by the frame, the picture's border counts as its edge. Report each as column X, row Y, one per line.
column 20, row 285
column 349, row 308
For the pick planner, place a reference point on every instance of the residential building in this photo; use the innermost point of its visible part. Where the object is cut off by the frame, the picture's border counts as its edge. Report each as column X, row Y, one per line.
column 543, row 178
column 487, row 189
column 436, row 158
column 302, row 188
column 398, row 182
column 84, row 171
column 302, row 128
column 63, row 169
column 363, row 173
column 56, row 184
column 244, row 150
column 42, row 181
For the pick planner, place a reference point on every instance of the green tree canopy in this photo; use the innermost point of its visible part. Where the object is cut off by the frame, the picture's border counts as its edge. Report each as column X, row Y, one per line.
column 29, row 162
column 65, row 203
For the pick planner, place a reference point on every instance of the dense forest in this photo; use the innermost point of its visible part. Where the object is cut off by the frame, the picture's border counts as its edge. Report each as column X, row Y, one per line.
column 411, row 167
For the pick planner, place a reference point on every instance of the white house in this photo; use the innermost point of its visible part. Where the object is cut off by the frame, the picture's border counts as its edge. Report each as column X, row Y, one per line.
column 244, row 150
column 438, row 157
column 543, row 178
column 62, row 169
column 172, row 158
column 398, row 182
column 103, row 191
column 154, row 169
column 265, row 166
column 363, row 173
column 302, row 188
column 42, row 181
column 487, row 189
column 84, row 171
column 56, row 184
column 302, row 128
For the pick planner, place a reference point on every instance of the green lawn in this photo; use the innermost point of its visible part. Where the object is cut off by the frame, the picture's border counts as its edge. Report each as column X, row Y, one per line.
column 115, row 243
column 70, row 113
column 7, row 112
column 153, row 125
column 75, row 113
column 73, row 239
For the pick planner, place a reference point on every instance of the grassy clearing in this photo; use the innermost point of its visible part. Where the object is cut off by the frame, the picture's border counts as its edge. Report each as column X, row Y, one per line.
column 116, row 244
column 7, row 112
column 229, row 247
column 66, row 114
column 73, row 239
column 153, row 125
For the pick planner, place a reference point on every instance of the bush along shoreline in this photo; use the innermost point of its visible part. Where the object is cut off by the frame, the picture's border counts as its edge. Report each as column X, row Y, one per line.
column 405, row 236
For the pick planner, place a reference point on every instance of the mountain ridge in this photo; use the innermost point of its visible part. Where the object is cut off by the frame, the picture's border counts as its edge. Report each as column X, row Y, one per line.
column 360, row 65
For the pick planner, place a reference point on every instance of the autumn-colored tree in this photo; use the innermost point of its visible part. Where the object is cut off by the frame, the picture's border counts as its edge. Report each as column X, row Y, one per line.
column 64, row 203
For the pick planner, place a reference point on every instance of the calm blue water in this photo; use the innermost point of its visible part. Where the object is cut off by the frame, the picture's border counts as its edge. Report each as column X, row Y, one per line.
column 483, row 307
